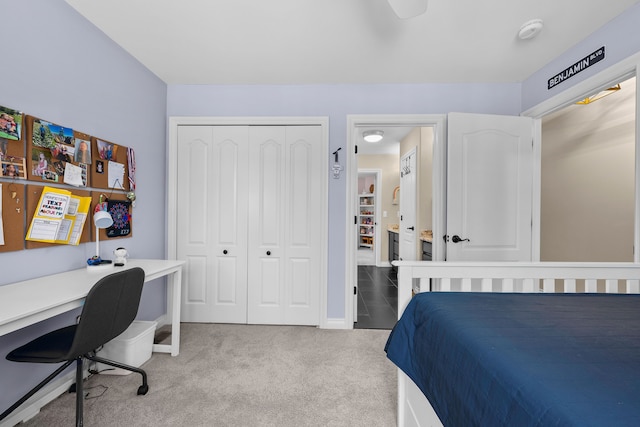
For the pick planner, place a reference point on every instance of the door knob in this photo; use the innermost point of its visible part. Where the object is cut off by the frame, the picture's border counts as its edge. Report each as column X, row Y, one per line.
column 458, row 239
column 411, row 228
column 225, row 252
column 268, row 252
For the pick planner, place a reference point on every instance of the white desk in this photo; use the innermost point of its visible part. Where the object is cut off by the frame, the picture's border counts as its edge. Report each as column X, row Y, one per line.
column 25, row 303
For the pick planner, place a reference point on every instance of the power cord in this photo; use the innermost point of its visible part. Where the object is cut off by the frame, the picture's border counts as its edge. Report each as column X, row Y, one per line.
column 89, row 390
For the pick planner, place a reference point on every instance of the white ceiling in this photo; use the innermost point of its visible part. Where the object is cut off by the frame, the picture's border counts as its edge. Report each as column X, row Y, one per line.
column 390, row 143
column 343, row 41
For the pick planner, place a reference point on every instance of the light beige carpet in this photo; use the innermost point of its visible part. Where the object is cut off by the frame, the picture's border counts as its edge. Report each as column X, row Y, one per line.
column 248, row 375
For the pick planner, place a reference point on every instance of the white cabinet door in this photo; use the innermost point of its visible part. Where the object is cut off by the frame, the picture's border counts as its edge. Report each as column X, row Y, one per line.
column 212, row 222
column 285, row 213
column 489, row 187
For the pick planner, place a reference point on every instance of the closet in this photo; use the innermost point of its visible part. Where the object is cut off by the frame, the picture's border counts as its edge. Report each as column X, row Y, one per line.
column 249, row 205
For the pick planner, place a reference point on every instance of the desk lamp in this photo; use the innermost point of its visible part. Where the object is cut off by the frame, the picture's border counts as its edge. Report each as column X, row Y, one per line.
column 101, row 219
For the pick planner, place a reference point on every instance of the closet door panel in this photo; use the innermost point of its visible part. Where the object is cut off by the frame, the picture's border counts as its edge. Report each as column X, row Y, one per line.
column 212, row 186
column 285, row 182
column 267, row 205
column 303, row 219
column 228, row 216
column 193, row 235
column 268, row 210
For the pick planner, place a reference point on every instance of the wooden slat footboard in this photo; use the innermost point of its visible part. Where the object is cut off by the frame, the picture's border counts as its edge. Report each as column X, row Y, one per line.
column 421, row 276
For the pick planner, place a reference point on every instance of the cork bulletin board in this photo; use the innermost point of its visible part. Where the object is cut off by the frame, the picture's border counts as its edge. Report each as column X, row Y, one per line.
column 57, row 154
column 109, row 169
column 12, row 161
column 36, row 154
column 121, row 211
column 13, row 171
column 13, row 216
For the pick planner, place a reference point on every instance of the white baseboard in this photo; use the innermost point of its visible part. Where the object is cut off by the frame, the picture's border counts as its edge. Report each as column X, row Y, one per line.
column 162, row 321
column 31, row 407
column 336, row 324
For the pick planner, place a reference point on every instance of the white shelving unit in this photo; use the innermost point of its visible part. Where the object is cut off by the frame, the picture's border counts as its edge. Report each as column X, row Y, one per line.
column 366, row 220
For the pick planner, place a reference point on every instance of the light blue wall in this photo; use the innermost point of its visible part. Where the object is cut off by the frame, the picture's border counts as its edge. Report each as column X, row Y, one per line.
column 58, row 67
column 336, row 102
column 621, row 38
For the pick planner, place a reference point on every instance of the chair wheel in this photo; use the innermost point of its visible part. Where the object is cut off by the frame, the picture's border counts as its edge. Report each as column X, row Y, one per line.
column 143, row 389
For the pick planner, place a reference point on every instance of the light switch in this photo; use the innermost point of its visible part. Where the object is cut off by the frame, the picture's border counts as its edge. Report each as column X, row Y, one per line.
column 384, row 214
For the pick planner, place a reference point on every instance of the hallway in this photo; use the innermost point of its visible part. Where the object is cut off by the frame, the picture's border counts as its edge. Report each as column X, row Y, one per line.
column 377, row 297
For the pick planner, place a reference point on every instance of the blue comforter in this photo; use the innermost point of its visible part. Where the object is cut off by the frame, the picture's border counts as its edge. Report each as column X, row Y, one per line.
column 491, row 359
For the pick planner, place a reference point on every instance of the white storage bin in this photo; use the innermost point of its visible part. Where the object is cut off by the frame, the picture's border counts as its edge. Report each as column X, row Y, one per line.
column 133, row 347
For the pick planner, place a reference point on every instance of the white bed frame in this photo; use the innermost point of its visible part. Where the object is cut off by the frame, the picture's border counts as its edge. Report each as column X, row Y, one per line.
column 413, row 407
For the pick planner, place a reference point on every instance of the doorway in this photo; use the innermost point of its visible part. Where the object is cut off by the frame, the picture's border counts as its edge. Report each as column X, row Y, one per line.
column 588, row 178
column 368, row 207
column 389, row 191
column 594, row 85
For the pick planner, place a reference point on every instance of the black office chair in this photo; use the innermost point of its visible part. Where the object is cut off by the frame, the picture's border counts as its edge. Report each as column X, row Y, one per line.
column 110, row 307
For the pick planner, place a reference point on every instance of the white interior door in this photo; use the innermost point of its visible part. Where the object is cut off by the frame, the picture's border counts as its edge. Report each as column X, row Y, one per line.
column 285, row 238
column 489, row 187
column 212, row 222
column 408, row 230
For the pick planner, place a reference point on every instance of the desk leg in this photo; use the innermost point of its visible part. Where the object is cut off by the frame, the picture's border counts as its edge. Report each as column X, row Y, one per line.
column 174, row 287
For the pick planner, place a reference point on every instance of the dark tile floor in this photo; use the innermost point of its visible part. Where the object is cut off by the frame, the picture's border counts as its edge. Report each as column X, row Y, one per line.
column 377, row 297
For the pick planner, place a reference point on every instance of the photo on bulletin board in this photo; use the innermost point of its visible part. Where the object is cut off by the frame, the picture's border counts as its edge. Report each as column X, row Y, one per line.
column 82, row 151
column 43, row 167
column 51, row 136
column 13, row 167
column 106, row 150
column 10, row 124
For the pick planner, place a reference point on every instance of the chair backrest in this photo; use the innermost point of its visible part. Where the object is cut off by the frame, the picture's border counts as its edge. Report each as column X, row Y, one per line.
column 110, row 307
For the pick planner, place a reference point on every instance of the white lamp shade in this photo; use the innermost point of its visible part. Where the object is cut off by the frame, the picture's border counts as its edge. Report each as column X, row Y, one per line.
column 102, row 219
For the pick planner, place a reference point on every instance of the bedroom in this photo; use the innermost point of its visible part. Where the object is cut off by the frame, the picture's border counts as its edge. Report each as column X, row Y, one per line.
column 107, row 86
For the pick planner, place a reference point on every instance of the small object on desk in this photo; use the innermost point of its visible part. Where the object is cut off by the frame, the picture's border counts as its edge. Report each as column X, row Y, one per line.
column 121, row 256
column 94, row 260
column 97, row 264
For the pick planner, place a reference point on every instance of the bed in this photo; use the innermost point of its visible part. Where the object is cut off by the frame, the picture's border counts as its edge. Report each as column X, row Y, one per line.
column 527, row 344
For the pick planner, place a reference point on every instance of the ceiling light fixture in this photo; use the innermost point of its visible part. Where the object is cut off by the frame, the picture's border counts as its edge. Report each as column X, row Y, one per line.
column 406, row 9
column 599, row 95
column 530, row 29
column 372, row 135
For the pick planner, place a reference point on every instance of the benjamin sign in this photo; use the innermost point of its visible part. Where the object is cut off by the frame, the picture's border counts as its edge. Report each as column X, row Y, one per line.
column 579, row 66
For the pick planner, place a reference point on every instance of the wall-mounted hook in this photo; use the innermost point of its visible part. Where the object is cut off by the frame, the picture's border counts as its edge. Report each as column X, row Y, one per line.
column 335, row 154
column 337, row 168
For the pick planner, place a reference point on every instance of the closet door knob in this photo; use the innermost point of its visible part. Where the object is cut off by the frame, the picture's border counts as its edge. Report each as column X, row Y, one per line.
column 225, row 252
column 268, row 252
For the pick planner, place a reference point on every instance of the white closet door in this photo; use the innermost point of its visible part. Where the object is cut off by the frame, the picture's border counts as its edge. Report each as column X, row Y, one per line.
column 212, row 222
column 285, row 178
